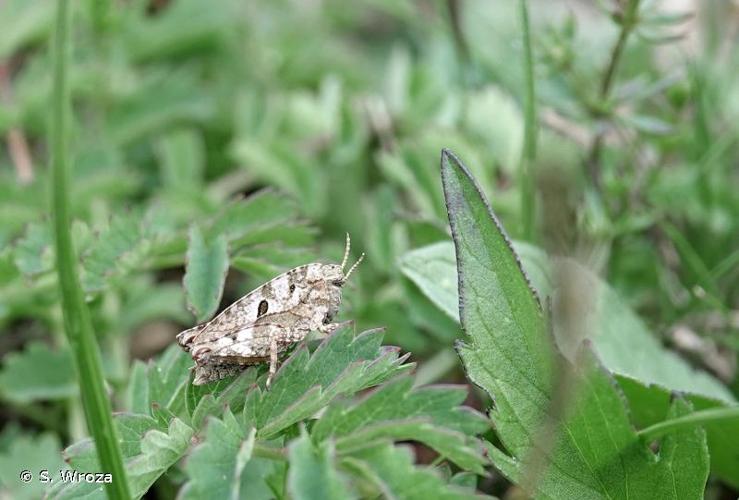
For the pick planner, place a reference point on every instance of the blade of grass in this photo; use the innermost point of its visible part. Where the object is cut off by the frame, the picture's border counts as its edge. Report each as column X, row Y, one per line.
column 528, row 155
column 77, row 322
column 695, row 265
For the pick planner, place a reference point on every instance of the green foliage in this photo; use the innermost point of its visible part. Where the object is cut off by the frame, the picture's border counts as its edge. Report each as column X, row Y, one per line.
column 234, row 429
column 595, row 452
column 390, row 470
column 207, row 265
column 38, row 373
column 614, row 332
column 212, row 147
column 312, row 474
column 32, row 453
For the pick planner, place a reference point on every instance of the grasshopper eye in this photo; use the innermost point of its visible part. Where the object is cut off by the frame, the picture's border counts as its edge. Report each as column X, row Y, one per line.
column 291, row 287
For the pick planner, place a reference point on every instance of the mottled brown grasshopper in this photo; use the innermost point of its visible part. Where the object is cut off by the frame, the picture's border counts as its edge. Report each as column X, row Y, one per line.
column 267, row 321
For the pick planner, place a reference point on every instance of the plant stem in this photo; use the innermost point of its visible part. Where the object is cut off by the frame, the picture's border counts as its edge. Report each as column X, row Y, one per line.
column 628, row 22
column 528, row 154
column 277, row 454
column 697, row 418
column 77, row 322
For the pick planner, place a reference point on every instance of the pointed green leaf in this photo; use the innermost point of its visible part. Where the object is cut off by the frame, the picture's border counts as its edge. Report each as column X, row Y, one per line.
column 207, row 265
column 616, row 329
column 223, row 466
column 397, row 400
column 342, row 364
column 113, row 252
column 647, row 373
column 131, row 429
column 595, row 452
column 312, row 474
column 451, row 445
column 430, row 415
column 182, row 159
column 159, row 450
column 391, row 473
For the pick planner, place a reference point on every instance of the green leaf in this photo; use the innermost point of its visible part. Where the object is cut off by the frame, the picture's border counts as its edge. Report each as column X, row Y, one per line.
column 34, row 454
column 22, row 22
column 342, row 364
column 449, row 444
column 430, row 415
column 390, row 473
column 223, row 465
column 650, row 403
column 616, row 331
column 168, row 379
column 182, row 159
column 137, row 392
column 280, row 165
column 264, row 262
column 188, row 25
column 210, row 399
column 312, row 474
column 207, row 265
column 433, row 269
column 380, row 209
column 147, row 301
column 504, row 136
column 131, row 429
column 114, row 252
column 162, row 100
column 159, row 450
column 38, row 373
column 595, row 452
column 397, row 400
column 245, row 221
column 33, row 253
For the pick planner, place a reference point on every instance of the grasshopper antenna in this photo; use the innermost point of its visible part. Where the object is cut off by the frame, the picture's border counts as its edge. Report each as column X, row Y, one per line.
column 351, row 269
column 347, row 247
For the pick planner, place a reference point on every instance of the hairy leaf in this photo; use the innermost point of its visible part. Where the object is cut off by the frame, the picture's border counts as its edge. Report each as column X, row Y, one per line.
column 182, row 159
column 207, row 265
column 594, row 452
column 38, row 373
column 430, row 415
column 108, row 255
column 342, row 364
column 621, row 339
column 34, row 252
column 34, row 454
column 223, row 465
column 312, row 474
column 645, row 370
column 159, row 450
column 389, row 472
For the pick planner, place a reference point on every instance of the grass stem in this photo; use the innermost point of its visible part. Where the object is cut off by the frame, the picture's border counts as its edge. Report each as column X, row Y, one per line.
column 528, row 154
column 77, row 321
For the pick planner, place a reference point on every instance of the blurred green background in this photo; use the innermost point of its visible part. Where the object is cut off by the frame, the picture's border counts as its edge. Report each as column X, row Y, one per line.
column 339, row 111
